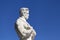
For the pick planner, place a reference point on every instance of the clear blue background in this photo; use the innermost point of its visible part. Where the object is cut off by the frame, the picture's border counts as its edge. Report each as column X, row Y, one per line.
column 44, row 17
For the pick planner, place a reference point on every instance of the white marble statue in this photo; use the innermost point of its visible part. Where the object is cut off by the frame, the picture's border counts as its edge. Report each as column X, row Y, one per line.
column 24, row 30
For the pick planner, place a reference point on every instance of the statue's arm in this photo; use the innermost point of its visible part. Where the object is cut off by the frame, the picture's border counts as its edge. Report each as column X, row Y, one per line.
column 21, row 28
column 34, row 32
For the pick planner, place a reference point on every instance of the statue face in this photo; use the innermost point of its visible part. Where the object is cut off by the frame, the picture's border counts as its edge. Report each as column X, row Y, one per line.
column 25, row 12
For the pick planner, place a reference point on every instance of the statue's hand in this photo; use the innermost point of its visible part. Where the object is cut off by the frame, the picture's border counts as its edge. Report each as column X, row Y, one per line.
column 27, row 28
column 27, row 35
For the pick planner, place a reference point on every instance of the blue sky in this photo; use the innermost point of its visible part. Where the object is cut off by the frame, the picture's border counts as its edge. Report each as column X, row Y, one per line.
column 44, row 17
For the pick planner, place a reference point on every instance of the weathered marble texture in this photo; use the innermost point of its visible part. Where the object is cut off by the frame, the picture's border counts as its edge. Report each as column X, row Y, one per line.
column 24, row 30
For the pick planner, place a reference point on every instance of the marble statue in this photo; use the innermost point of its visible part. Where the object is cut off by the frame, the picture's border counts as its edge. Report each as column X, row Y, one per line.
column 24, row 30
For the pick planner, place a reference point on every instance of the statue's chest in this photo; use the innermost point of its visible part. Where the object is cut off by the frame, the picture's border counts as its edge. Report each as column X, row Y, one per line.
column 25, row 24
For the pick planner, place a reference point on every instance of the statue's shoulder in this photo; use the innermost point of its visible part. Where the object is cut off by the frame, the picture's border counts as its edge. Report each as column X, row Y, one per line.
column 19, row 20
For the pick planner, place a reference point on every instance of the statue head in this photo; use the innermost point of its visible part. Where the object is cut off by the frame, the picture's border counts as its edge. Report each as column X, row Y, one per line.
column 24, row 12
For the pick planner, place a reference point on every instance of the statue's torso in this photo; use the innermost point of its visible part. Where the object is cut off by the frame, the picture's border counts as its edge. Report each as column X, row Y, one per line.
column 25, row 24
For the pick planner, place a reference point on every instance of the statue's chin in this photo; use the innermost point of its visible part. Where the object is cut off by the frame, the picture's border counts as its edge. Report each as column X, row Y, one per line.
column 26, row 18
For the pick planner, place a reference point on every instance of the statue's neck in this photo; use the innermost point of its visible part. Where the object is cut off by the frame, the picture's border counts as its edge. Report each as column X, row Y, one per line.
column 23, row 17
